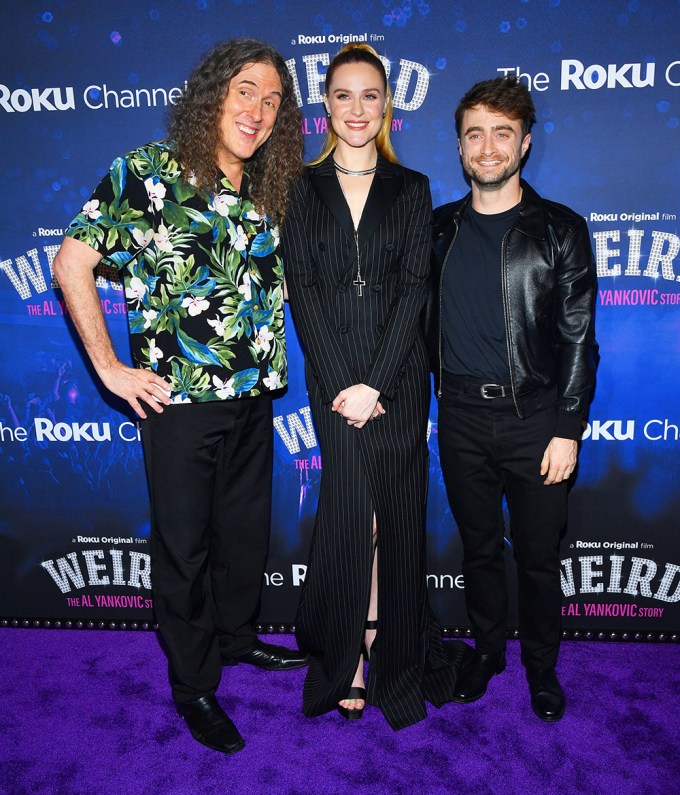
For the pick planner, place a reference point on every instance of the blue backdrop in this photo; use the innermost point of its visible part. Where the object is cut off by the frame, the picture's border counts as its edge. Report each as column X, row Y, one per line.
column 80, row 86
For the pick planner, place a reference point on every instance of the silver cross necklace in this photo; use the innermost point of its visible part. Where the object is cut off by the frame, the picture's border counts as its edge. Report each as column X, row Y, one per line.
column 358, row 282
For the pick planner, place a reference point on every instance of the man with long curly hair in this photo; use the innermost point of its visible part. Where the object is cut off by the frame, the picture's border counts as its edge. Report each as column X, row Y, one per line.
column 191, row 223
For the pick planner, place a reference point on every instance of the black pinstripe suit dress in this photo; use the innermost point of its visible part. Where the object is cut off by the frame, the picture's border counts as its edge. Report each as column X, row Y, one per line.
column 373, row 338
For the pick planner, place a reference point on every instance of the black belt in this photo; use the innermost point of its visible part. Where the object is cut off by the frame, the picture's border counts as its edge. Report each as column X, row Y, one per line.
column 477, row 386
column 491, row 391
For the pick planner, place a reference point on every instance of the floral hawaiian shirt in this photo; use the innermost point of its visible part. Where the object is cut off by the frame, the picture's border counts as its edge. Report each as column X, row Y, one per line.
column 203, row 277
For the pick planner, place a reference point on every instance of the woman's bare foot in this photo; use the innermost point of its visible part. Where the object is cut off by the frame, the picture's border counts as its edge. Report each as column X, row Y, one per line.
column 358, row 681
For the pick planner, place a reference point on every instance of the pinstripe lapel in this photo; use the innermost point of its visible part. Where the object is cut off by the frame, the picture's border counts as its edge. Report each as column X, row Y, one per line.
column 327, row 188
column 383, row 193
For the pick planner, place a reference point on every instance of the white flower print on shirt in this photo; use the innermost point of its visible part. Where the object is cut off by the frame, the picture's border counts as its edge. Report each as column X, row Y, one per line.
column 136, row 289
column 222, row 202
column 196, row 305
column 218, row 325
column 142, row 239
column 149, row 316
column 273, row 380
column 155, row 353
column 156, row 192
column 239, row 239
column 263, row 339
column 245, row 288
column 223, row 389
column 162, row 238
column 91, row 209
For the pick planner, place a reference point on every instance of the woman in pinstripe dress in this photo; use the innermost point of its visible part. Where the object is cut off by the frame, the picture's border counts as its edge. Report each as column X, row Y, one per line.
column 356, row 245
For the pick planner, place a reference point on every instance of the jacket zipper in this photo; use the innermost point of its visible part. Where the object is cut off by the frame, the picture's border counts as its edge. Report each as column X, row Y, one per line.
column 439, row 336
column 506, row 315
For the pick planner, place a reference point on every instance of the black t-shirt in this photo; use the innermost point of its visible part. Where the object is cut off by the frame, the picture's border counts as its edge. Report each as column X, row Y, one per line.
column 473, row 322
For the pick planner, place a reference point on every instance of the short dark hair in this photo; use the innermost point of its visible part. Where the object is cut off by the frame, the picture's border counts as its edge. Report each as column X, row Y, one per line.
column 194, row 125
column 506, row 95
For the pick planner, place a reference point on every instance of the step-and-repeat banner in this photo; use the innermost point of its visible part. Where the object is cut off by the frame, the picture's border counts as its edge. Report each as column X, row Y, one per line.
column 81, row 85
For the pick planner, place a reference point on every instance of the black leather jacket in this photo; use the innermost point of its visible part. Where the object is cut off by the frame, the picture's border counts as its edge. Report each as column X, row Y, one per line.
column 549, row 288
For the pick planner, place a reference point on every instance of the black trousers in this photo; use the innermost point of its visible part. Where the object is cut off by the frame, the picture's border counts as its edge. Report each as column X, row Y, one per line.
column 209, row 468
column 487, row 451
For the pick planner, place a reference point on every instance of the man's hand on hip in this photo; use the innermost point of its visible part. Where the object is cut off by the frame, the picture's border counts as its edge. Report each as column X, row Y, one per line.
column 133, row 384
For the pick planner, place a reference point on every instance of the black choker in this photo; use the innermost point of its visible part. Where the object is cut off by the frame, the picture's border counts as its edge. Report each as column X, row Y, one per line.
column 349, row 173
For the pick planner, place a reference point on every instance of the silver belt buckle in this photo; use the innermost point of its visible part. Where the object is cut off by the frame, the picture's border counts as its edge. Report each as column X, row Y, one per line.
column 483, row 391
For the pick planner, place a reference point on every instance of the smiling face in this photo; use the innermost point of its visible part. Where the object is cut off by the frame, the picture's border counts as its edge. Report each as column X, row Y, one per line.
column 356, row 102
column 491, row 147
column 248, row 115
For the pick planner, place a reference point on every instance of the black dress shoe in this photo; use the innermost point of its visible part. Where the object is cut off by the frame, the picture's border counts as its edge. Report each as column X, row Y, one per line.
column 270, row 657
column 210, row 725
column 547, row 698
column 476, row 676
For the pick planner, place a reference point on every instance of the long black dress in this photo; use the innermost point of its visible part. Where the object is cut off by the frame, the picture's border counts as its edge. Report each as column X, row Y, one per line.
column 372, row 338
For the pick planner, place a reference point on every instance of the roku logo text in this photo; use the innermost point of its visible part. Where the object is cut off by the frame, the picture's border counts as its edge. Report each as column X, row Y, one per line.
column 575, row 74
column 48, row 431
column 22, row 100
column 656, row 430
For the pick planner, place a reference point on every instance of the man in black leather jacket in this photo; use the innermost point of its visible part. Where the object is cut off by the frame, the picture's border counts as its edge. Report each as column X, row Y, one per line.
column 514, row 355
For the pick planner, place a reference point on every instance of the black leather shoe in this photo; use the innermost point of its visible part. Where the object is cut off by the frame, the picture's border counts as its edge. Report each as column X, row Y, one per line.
column 270, row 657
column 476, row 676
column 547, row 698
column 210, row 725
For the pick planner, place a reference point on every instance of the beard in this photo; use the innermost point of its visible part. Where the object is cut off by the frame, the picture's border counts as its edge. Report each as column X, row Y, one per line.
column 492, row 181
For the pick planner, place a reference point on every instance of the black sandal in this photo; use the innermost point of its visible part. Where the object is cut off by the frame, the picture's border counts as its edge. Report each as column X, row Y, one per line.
column 353, row 714
column 357, row 692
column 370, row 625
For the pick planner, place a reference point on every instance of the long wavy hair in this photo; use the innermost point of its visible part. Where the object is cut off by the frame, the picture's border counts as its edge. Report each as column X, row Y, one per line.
column 194, row 126
column 357, row 52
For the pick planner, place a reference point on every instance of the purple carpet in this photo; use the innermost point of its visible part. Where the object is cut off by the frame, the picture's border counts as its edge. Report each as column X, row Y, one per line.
column 89, row 712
